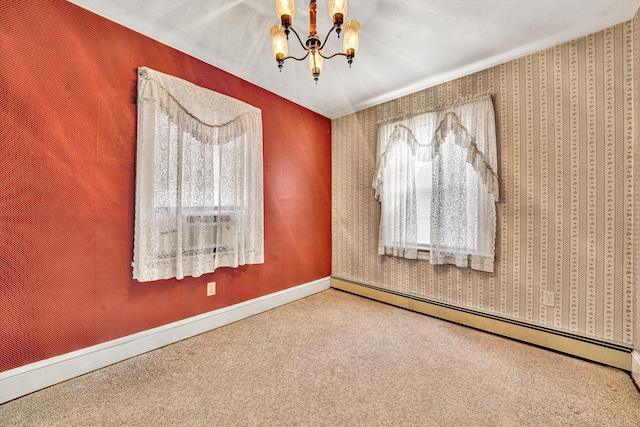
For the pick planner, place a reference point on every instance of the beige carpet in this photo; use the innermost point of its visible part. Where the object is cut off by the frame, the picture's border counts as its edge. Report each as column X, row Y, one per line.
column 336, row 359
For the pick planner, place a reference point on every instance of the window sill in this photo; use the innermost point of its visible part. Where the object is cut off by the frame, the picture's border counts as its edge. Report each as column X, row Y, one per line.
column 424, row 254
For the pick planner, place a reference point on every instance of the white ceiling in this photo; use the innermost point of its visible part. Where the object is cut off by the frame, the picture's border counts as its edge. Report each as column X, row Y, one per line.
column 405, row 45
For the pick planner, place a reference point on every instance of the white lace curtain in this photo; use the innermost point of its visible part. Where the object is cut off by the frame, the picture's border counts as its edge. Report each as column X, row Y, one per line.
column 460, row 141
column 199, row 193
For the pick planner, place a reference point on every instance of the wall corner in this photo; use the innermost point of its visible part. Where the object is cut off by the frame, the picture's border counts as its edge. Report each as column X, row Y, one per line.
column 636, row 185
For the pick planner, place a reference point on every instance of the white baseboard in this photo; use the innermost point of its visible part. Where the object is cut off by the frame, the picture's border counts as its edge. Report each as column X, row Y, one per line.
column 35, row 376
column 635, row 366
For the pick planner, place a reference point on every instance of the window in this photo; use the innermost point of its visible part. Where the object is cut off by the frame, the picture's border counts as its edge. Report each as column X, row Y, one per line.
column 199, row 202
column 437, row 184
column 424, row 192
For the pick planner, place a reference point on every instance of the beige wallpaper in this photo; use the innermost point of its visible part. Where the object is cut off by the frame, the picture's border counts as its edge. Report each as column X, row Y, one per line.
column 565, row 127
column 636, row 146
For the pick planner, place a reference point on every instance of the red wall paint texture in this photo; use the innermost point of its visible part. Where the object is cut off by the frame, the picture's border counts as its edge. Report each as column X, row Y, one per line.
column 67, row 175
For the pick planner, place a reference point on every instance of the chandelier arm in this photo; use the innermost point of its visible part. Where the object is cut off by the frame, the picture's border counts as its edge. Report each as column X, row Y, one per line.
column 299, row 39
column 327, row 38
column 296, row 58
column 335, row 54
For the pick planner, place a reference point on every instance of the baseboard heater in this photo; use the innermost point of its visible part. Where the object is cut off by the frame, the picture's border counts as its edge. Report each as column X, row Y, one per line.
column 594, row 350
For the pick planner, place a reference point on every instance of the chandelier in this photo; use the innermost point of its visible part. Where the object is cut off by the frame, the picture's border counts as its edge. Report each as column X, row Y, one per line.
column 285, row 9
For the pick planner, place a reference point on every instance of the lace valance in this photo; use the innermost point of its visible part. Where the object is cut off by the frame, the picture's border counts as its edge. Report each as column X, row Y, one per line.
column 192, row 109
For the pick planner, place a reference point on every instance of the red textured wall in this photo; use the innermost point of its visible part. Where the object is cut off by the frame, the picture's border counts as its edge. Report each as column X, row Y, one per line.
column 67, row 174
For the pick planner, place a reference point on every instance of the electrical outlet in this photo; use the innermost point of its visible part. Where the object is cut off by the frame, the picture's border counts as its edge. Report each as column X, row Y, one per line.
column 549, row 299
column 211, row 288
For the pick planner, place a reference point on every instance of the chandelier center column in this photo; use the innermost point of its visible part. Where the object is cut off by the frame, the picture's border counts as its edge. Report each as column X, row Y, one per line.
column 312, row 18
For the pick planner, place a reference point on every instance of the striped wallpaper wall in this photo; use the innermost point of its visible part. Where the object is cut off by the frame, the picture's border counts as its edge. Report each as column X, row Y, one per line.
column 565, row 131
column 636, row 147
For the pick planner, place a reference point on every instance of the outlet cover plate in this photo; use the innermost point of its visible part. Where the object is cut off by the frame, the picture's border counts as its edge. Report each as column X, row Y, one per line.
column 549, row 299
column 211, row 288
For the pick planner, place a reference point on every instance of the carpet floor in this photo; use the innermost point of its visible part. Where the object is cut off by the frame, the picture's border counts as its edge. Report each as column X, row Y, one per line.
column 336, row 359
